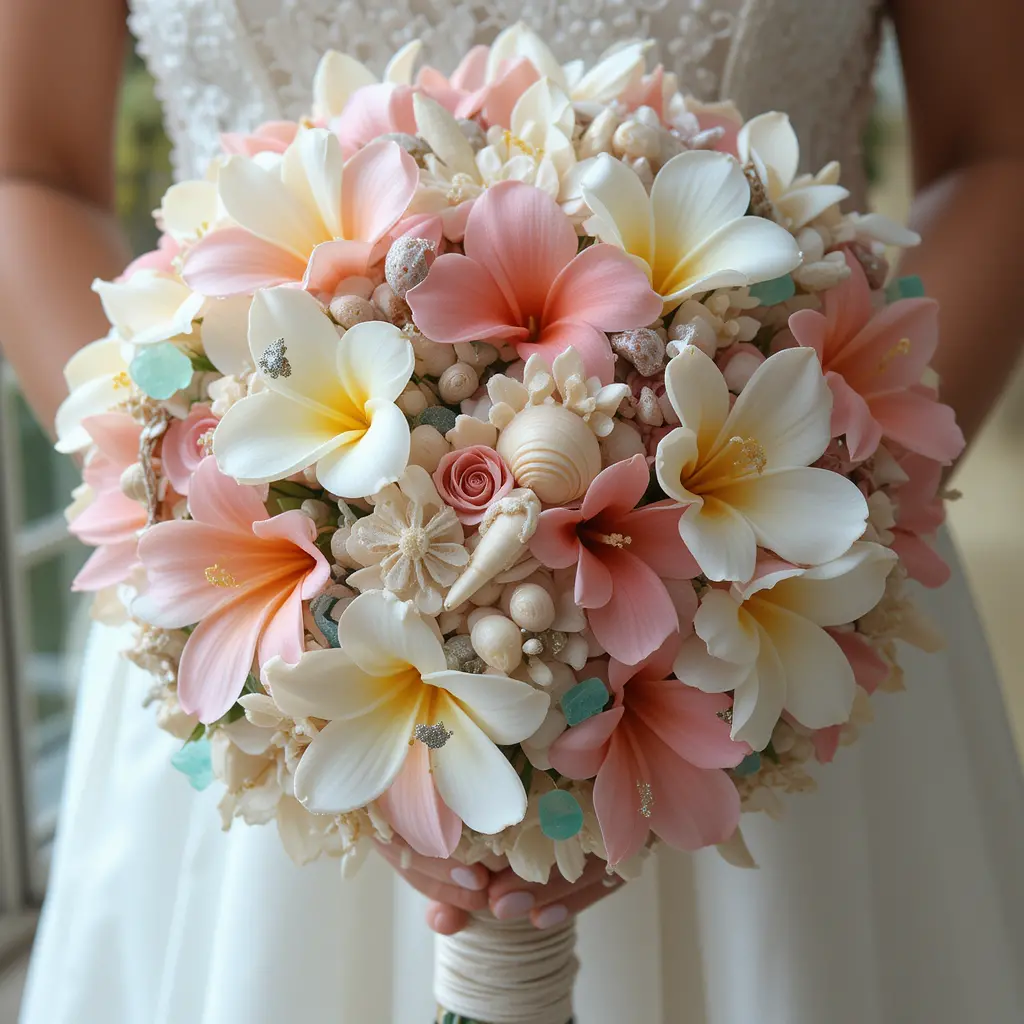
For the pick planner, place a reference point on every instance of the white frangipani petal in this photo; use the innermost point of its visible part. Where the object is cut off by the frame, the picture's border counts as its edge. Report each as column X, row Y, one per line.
column 337, row 77
column 149, row 306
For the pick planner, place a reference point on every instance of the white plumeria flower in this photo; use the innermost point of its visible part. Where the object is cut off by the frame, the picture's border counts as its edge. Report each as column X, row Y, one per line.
column 149, row 307
column 338, row 76
column 691, row 233
column 769, row 142
column 98, row 382
column 326, row 401
column 744, row 473
column 389, row 687
column 189, row 209
column 767, row 642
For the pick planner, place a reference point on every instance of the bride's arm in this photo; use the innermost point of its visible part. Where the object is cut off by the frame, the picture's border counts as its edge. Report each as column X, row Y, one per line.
column 965, row 88
column 60, row 64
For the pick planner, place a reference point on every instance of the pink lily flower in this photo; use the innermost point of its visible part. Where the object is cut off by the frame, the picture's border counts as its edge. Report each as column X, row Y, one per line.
column 373, row 111
column 269, row 137
column 468, row 93
column 873, row 363
column 522, row 281
column 112, row 521
column 622, row 554
column 658, row 755
column 241, row 575
column 919, row 514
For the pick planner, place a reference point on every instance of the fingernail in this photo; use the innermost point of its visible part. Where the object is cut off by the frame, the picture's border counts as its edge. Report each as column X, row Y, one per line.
column 467, row 878
column 551, row 916
column 512, row 905
column 432, row 915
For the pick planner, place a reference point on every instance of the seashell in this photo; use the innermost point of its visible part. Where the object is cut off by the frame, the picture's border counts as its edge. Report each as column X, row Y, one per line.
column 487, row 594
column 642, row 348
column 497, row 640
column 416, row 147
column 622, row 443
column 407, row 263
column 598, row 136
column 504, row 533
column 635, row 139
column 349, row 310
column 458, row 382
column 552, row 451
column 427, row 448
column 133, row 482
column 412, row 401
column 531, row 607
column 474, row 133
column 395, row 309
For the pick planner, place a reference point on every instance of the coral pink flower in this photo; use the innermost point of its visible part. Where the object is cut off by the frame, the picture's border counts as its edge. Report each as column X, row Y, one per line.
column 373, row 111
column 919, row 514
column 522, row 281
column 185, row 446
column 112, row 521
column 870, row 670
column 471, row 479
column 161, row 259
column 658, row 754
column 874, row 363
column 269, row 137
column 468, row 93
column 238, row 573
column 622, row 553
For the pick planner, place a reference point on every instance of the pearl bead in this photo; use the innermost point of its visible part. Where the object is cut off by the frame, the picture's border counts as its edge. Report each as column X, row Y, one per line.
column 498, row 641
column 531, row 607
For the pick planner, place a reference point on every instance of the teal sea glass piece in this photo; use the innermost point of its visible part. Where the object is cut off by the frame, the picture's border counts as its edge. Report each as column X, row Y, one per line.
column 321, row 608
column 193, row 761
column 561, row 816
column 771, row 293
column 584, row 700
column 750, row 765
column 438, row 416
column 161, row 370
column 910, row 287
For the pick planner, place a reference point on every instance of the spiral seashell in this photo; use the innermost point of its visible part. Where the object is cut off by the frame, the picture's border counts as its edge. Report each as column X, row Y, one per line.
column 459, row 381
column 552, row 451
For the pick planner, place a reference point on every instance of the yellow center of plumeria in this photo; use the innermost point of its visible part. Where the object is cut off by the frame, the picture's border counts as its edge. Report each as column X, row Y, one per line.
column 514, row 142
column 218, row 577
column 901, row 348
column 205, row 443
column 730, row 463
column 121, row 380
column 615, row 540
column 646, row 798
column 751, row 454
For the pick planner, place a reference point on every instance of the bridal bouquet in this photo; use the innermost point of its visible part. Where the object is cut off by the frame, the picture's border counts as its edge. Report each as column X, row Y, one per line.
column 525, row 463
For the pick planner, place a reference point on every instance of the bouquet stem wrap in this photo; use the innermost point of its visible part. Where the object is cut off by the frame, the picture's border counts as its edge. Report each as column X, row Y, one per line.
column 506, row 972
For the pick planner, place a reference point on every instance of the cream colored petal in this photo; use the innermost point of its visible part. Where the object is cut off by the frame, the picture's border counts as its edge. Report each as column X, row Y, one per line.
column 375, row 360
column 507, row 710
column 97, row 359
column 541, row 107
column 337, row 76
column 758, row 702
column 612, row 75
column 720, row 539
column 519, row 41
column 622, row 208
column 99, row 395
column 368, row 461
column 675, row 461
column 697, row 668
column 839, row 591
column 311, row 170
column 150, row 307
column 473, row 777
column 699, row 395
column 439, row 129
column 729, row 633
column 772, row 138
column 803, row 205
column 189, row 208
column 225, row 334
column 786, row 407
column 400, row 68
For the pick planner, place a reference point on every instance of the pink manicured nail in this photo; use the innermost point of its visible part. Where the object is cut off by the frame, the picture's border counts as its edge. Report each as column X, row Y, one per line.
column 551, row 916
column 432, row 915
column 513, row 905
column 467, row 878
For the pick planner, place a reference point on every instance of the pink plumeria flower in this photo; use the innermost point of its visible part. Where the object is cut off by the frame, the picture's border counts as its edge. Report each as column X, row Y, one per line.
column 658, row 755
column 269, row 137
column 874, row 363
column 521, row 281
column 113, row 520
column 313, row 220
column 241, row 575
column 622, row 554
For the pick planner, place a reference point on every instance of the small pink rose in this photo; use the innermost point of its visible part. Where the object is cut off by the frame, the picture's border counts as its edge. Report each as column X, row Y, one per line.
column 470, row 479
column 185, row 446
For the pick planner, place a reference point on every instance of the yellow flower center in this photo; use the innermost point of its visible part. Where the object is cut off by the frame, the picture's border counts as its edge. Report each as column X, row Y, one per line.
column 514, row 142
column 615, row 540
column 121, row 380
column 218, row 577
column 414, row 543
column 736, row 459
column 901, row 348
column 751, row 454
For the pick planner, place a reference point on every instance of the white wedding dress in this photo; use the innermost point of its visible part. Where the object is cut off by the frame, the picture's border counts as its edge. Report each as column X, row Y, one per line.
column 892, row 896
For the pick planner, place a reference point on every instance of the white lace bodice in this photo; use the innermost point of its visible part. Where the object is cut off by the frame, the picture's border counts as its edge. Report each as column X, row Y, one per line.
column 230, row 64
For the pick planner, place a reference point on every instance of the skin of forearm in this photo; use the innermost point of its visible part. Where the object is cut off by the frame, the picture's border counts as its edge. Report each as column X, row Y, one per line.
column 54, row 245
column 971, row 259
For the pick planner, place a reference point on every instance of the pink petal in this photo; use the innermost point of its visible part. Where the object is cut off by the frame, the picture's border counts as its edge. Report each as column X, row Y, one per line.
column 117, row 436
column 919, row 508
column 616, row 490
column 687, row 721
column 851, row 417
column 503, row 95
column 580, row 751
column 617, row 800
column 603, row 287
column 271, row 137
column 593, row 580
column 555, row 542
column 656, row 666
column 523, row 239
column 459, row 301
column 826, row 743
column 472, row 70
column 639, row 616
column 417, row 812
column 591, row 344
column 807, row 327
column 110, row 519
column 869, row 668
column 217, row 500
column 231, row 261
column 367, row 116
column 378, row 185
column 331, row 262
column 161, row 258
column 654, row 533
column 428, row 226
column 920, row 424
column 296, row 529
column 283, row 634
column 847, row 309
column 107, row 565
column 922, row 561
column 432, row 83
column 691, row 807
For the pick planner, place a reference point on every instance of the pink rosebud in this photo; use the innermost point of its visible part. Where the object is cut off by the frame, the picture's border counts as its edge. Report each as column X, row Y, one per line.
column 470, row 479
column 185, row 446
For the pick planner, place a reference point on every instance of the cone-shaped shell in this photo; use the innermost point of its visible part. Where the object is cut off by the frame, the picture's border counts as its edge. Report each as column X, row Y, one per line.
column 504, row 534
column 552, row 451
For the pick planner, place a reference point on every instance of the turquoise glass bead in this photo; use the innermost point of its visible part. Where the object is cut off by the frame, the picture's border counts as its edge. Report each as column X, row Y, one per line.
column 561, row 816
column 193, row 761
column 750, row 765
column 321, row 608
column 911, row 287
column 584, row 700
column 160, row 370
column 771, row 293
